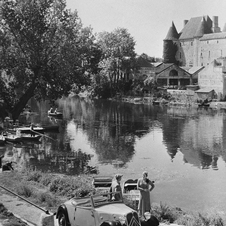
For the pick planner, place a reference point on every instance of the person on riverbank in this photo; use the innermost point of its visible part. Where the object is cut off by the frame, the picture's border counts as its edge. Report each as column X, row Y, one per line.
column 143, row 185
column 116, row 187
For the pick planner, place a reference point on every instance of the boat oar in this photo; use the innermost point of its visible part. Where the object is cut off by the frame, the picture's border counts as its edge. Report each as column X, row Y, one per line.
column 43, row 135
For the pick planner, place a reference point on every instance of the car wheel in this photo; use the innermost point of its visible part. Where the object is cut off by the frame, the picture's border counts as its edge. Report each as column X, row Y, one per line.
column 62, row 221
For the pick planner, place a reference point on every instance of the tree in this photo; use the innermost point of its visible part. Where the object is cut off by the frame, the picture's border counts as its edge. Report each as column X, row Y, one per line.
column 118, row 56
column 43, row 47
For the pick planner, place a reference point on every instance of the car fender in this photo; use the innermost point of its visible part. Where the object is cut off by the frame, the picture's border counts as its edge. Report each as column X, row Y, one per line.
column 62, row 208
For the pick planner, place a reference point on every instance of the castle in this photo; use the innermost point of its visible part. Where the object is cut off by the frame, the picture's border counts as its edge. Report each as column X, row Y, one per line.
column 195, row 55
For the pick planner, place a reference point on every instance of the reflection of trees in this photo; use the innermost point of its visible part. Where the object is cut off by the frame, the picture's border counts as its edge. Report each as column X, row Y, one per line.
column 45, row 160
column 112, row 127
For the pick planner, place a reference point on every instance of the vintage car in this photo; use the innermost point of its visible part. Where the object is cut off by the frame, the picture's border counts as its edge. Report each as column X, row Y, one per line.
column 97, row 210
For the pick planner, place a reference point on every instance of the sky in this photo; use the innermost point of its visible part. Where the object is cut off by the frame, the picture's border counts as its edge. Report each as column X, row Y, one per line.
column 147, row 21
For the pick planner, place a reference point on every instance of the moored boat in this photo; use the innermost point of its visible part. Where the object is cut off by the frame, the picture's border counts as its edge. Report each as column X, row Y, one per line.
column 55, row 114
column 30, row 130
column 12, row 138
column 29, row 138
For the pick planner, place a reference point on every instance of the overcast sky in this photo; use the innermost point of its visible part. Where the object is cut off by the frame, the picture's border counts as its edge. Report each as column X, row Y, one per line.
column 148, row 21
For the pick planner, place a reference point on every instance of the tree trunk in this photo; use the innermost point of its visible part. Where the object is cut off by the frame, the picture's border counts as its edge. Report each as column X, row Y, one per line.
column 18, row 108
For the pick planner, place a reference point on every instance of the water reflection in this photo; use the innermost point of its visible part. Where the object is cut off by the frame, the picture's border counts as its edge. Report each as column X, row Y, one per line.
column 110, row 131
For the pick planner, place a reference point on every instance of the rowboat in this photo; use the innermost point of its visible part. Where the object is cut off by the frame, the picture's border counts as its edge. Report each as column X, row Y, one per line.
column 55, row 114
column 29, row 138
column 12, row 138
column 130, row 189
column 102, row 183
column 31, row 131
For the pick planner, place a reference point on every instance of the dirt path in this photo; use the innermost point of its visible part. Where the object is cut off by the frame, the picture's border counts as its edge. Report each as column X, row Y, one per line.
column 30, row 214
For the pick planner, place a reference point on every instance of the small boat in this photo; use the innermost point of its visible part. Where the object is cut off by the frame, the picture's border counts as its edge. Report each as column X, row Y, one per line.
column 29, row 138
column 30, row 130
column 12, row 138
column 130, row 189
column 102, row 183
column 55, row 114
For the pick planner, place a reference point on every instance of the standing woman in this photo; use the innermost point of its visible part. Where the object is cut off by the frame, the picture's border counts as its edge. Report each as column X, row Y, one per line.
column 116, row 187
column 144, row 201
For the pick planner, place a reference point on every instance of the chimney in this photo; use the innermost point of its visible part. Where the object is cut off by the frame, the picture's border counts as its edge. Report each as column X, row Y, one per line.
column 215, row 27
column 185, row 22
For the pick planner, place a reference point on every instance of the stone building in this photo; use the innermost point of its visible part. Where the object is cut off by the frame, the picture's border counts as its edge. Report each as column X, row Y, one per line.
column 199, row 49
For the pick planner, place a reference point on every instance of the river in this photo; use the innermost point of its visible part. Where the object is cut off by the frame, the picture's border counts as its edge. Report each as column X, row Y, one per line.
column 183, row 149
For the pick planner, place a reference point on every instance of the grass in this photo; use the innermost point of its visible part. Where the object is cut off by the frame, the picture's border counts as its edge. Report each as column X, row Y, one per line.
column 50, row 190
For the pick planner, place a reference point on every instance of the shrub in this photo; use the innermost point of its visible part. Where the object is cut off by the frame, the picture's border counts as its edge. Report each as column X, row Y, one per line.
column 46, row 179
column 24, row 190
column 34, row 176
column 71, row 186
column 46, row 197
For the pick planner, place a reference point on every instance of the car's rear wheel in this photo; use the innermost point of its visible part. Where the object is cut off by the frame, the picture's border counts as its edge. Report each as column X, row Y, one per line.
column 62, row 220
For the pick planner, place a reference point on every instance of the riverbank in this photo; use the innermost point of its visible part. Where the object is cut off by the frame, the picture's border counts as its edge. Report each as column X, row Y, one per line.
column 48, row 191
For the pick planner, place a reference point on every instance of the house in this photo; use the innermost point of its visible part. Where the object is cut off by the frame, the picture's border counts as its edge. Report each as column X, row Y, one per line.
column 205, row 93
column 200, row 50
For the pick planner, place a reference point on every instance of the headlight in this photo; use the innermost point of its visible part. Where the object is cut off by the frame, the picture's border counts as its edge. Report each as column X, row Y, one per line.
column 122, row 220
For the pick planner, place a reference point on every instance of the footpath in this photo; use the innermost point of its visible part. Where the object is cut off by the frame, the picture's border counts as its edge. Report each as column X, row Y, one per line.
column 26, row 212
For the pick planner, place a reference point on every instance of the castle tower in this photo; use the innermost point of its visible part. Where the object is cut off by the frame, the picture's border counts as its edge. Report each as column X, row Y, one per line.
column 215, row 27
column 170, row 45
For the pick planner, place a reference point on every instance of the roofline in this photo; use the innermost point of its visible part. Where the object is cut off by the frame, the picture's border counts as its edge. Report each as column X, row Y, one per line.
column 176, row 66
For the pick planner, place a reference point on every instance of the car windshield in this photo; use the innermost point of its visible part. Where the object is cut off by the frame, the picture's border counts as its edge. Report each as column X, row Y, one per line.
column 107, row 198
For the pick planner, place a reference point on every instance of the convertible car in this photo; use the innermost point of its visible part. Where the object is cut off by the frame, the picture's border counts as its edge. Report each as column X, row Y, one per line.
column 97, row 210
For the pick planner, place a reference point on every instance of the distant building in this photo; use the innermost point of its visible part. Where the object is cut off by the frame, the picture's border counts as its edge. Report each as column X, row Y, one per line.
column 200, row 50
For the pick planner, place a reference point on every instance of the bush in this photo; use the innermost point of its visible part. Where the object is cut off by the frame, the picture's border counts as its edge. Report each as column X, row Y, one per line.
column 24, row 190
column 46, row 179
column 46, row 197
column 34, row 176
column 71, row 186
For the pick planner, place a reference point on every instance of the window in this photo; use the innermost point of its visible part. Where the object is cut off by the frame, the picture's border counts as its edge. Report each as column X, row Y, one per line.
column 191, row 43
column 173, row 73
column 180, row 55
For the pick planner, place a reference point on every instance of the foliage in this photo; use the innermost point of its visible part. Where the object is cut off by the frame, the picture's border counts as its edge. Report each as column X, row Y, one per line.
column 47, row 197
column 118, row 57
column 24, row 190
column 44, row 50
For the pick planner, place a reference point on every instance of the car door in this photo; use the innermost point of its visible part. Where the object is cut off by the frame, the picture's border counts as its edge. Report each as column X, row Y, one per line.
column 84, row 216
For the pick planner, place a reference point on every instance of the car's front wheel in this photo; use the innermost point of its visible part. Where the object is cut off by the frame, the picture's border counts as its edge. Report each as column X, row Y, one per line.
column 62, row 220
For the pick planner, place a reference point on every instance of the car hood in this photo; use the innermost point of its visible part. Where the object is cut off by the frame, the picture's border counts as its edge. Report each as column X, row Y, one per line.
column 116, row 209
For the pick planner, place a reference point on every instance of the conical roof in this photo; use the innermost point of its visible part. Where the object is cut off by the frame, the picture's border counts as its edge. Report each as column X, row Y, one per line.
column 172, row 33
